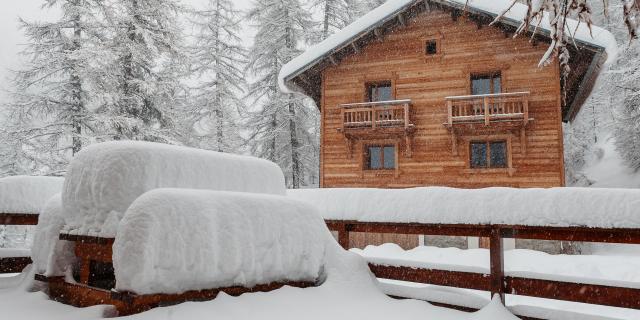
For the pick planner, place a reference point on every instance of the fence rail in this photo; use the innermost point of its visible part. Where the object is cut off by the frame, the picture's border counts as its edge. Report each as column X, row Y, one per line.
column 496, row 281
column 16, row 264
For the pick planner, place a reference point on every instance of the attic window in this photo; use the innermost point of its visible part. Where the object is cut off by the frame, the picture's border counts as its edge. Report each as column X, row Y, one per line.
column 431, row 47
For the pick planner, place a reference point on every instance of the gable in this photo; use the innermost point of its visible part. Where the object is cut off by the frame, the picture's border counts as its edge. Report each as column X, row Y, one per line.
column 303, row 74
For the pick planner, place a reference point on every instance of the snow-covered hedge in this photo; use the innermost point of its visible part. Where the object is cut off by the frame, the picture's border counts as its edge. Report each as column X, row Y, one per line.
column 104, row 179
column 175, row 240
column 27, row 194
column 607, row 208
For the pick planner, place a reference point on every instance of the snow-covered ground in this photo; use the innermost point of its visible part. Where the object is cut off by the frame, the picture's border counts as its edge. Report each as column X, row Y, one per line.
column 595, row 269
column 349, row 292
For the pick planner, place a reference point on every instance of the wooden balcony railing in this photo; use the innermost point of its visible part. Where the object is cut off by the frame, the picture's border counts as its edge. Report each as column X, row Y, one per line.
column 488, row 108
column 373, row 115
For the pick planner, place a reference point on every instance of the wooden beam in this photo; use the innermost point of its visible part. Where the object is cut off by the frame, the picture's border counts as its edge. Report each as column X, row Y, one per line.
column 18, row 219
column 333, row 60
column 496, row 256
column 14, row 264
column 427, row 6
column 355, row 47
column 467, row 280
column 86, row 239
column 576, row 292
column 402, row 20
column 378, row 33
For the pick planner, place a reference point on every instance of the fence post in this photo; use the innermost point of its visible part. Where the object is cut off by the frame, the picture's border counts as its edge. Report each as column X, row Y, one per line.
column 496, row 253
column 343, row 236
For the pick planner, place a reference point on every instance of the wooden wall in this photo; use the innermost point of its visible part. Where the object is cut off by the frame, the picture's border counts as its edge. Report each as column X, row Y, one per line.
column 465, row 49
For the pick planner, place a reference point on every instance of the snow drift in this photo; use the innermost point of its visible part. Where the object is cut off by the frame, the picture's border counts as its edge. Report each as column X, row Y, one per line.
column 605, row 208
column 176, row 240
column 104, row 179
column 27, row 194
column 50, row 255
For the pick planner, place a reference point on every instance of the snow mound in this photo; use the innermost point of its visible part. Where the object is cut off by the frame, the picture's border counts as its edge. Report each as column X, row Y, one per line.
column 27, row 194
column 50, row 255
column 389, row 9
column 494, row 310
column 591, row 207
column 104, row 179
column 176, row 240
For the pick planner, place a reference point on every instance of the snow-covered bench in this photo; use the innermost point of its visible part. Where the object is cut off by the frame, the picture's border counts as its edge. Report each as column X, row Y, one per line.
column 21, row 199
column 142, row 224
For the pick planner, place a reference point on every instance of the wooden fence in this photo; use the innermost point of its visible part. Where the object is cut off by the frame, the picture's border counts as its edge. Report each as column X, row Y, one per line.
column 496, row 281
column 16, row 264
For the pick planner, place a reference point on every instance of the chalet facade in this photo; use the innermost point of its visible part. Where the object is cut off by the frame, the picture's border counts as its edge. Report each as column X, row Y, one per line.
column 422, row 93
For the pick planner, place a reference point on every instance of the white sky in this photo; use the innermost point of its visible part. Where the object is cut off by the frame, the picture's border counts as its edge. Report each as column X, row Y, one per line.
column 12, row 39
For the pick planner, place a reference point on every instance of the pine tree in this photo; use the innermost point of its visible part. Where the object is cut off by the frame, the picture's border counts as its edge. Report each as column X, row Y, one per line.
column 336, row 14
column 49, row 113
column 219, row 60
column 281, row 125
column 146, row 68
column 627, row 133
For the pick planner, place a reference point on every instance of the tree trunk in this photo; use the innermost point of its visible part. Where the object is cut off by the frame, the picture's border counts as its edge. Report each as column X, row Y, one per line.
column 76, row 84
column 295, row 157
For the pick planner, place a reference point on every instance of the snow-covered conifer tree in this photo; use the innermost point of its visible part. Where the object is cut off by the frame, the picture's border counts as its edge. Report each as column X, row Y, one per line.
column 218, row 64
column 627, row 132
column 49, row 113
column 336, row 14
column 281, row 125
column 145, row 71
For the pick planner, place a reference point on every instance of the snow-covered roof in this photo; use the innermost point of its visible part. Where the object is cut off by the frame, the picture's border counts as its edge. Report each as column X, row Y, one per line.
column 176, row 240
column 104, row 179
column 561, row 207
column 27, row 194
column 601, row 40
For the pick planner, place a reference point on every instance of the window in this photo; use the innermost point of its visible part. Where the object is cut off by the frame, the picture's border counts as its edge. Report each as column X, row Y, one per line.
column 488, row 154
column 380, row 157
column 486, row 83
column 431, row 47
column 379, row 91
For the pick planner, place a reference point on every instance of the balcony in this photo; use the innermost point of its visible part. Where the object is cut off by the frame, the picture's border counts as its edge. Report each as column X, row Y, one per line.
column 376, row 115
column 503, row 109
column 377, row 120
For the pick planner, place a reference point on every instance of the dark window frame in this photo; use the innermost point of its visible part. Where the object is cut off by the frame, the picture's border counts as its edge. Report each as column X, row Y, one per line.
column 378, row 84
column 431, row 47
column 487, row 147
column 382, row 146
column 492, row 76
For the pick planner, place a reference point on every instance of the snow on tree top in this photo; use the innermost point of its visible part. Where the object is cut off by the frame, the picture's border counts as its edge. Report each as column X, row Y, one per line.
column 27, row 194
column 562, row 207
column 601, row 37
column 176, row 240
column 104, row 179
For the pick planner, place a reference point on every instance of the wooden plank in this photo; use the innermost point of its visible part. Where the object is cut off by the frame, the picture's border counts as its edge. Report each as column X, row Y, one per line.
column 576, row 292
column 86, row 239
column 467, row 280
column 603, row 235
column 18, row 219
column 14, row 264
column 496, row 263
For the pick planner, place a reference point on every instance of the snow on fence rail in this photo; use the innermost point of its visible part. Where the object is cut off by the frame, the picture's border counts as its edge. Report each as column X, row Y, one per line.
column 21, row 198
column 613, row 294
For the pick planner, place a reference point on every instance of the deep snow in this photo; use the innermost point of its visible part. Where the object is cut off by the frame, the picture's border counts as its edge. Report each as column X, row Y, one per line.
column 27, row 194
column 606, row 208
column 104, row 179
column 176, row 240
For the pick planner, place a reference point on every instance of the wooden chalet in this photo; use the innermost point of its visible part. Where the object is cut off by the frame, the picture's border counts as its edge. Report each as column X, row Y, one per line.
column 431, row 94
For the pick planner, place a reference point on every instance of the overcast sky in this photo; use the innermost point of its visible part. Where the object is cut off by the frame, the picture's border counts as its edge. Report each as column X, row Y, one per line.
column 12, row 38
